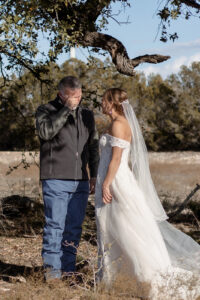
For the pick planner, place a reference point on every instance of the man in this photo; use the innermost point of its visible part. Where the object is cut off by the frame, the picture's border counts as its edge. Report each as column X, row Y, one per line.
column 68, row 142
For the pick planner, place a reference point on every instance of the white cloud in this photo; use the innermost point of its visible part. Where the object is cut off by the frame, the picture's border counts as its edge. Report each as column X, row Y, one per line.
column 195, row 57
column 169, row 67
column 182, row 47
column 176, row 48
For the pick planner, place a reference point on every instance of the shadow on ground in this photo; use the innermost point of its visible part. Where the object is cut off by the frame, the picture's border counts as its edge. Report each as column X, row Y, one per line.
column 7, row 270
column 21, row 216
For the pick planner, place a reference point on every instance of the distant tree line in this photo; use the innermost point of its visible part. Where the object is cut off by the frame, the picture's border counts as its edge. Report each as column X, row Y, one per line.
column 168, row 110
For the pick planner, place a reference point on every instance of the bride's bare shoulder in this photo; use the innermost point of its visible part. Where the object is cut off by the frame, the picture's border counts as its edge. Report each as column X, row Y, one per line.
column 121, row 129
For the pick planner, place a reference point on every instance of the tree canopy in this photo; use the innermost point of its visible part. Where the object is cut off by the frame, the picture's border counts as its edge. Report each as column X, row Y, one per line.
column 69, row 22
column 168, row 110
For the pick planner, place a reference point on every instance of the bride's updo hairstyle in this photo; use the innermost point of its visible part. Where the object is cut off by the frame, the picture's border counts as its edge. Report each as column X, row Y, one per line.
column 116, row 96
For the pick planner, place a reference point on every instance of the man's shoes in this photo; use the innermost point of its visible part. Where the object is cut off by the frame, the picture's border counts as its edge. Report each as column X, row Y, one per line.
column 73, row 278
column 67, row 274
column 52, row 276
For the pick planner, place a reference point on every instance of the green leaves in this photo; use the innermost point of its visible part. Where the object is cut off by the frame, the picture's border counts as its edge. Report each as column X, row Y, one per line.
column 63, row 23
column 168, row 110
column 171, row 11
column 164, row 13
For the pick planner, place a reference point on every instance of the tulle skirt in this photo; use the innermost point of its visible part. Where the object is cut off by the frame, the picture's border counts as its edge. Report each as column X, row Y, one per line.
column 131, row 242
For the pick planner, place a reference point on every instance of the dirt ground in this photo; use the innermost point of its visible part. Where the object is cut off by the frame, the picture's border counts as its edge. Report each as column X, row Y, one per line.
column 21, row 274
column 21, row 223
column 174, row 173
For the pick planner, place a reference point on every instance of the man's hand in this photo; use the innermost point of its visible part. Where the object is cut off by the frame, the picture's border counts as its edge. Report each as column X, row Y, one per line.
column 71, row 103
column 92, row 185
column 71, row 98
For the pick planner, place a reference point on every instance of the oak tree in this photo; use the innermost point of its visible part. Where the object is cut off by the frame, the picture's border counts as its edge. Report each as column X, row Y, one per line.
column 72, row 22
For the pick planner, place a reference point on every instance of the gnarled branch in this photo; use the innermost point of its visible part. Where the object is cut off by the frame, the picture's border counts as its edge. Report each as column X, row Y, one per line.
column 92, row 38
column 191, row 3
column 118, row 52
column 24, row 63
column 185, row 202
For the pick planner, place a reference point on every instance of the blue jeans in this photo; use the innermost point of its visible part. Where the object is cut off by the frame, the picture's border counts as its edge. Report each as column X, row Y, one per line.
column 65, row 204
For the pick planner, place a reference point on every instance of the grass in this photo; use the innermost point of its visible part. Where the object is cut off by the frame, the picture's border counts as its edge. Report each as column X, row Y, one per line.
column 122, row 288
column 20, row 268
column 176, row 179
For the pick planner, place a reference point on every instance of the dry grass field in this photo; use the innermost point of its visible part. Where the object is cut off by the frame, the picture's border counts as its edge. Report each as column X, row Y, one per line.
column 21, row 223
column 175, row 173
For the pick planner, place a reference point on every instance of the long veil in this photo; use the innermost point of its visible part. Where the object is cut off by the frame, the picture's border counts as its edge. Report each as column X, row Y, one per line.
column 184, row 252
column 140, row 164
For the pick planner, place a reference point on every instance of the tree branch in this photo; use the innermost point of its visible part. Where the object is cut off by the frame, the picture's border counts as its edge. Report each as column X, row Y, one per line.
column 118, row 52
column 191, row 3
column 79, row 13
column 25, row 64
column 185, row 202
column 99, row 5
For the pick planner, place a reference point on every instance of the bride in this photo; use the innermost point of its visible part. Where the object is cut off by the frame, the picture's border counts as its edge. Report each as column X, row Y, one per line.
column 134, row 237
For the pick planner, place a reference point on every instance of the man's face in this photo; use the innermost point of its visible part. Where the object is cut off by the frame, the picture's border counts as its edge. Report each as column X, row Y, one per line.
column 71, row 97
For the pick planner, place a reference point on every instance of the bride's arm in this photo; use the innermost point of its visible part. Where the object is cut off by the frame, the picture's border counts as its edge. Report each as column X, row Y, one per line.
column 118, row 132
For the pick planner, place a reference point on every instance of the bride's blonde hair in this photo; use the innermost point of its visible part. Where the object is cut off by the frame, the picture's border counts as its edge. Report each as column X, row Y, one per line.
column 116, row 96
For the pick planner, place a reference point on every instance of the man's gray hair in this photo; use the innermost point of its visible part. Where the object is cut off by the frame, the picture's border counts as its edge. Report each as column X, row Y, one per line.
column 69, row 82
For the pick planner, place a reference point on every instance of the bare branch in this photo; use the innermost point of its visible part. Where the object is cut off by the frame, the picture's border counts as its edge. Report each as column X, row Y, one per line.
column 119, row 22
column 185, row 202
column 191, row 3
column 153, row 59
column 196, row 220
column 24, row 63
column 118, row 52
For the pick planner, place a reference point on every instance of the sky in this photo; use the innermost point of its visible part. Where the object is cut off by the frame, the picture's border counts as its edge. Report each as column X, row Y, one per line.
column 141, row 37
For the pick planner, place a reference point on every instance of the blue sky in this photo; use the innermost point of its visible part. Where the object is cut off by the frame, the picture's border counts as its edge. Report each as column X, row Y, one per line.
column 139, row 37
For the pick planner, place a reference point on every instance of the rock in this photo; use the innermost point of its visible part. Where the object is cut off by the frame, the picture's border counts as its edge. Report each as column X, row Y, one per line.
column 15, row 279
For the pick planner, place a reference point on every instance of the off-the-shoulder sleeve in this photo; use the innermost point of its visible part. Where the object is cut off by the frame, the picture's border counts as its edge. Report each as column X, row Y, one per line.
column 117, row 142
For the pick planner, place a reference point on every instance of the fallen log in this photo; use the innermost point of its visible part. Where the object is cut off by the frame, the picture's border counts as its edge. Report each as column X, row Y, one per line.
column 184, row 204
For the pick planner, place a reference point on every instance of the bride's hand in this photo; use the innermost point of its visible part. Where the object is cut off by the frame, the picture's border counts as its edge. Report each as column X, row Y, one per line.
column 107, row 196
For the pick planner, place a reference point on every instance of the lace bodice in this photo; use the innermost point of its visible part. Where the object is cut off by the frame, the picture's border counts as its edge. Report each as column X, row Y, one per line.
column 108, row 141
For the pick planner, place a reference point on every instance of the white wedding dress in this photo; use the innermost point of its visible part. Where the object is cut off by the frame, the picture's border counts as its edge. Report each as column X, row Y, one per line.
column 131, row 241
